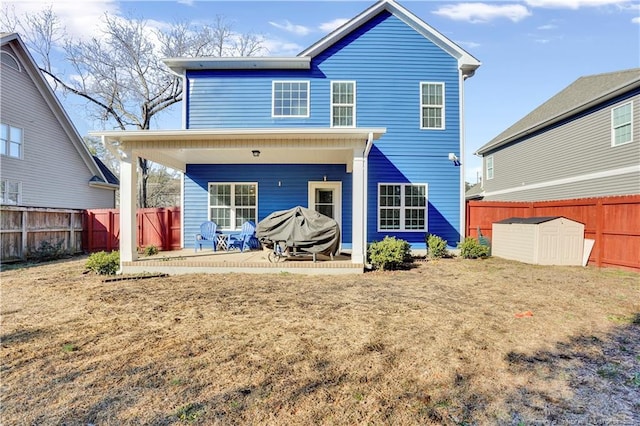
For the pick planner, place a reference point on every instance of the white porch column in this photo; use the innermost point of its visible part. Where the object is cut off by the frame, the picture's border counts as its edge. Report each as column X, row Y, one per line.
column 359, row 224
column 128, row 196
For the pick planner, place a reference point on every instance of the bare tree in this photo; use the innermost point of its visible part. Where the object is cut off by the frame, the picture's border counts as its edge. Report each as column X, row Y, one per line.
column 120, row 72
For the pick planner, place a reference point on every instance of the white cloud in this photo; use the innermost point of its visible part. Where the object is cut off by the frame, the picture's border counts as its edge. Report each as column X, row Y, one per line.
column 542, row 41
column 292, row 28
column 79, row 19
column 482, row 12
column 636, row 20
column 547, row 27
column 327, row 27
column 275, row 47
column 573, row 4
column 468, row 44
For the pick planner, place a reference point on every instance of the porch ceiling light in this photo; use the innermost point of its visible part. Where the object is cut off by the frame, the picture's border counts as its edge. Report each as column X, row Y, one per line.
column 255, row 153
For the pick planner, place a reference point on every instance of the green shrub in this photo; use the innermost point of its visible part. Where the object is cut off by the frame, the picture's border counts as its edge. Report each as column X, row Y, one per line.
column 437, row 246
column 150, row 250
column 390, row 253
column 470, row 248
column 104, row 263
column 48, row 251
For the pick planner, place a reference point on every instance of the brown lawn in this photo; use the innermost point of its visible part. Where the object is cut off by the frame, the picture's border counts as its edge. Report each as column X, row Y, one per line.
column 447, row 342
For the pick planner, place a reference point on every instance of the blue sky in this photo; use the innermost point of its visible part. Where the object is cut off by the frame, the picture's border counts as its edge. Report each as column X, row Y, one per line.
column 529, row 49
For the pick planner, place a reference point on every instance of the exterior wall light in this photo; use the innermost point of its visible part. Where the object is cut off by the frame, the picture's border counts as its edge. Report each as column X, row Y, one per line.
column 255, row 153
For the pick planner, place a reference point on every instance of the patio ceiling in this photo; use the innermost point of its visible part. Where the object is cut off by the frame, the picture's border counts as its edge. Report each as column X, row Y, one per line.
column 177, row 148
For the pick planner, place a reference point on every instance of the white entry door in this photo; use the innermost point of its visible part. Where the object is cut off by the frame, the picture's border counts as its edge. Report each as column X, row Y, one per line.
column 326, row 198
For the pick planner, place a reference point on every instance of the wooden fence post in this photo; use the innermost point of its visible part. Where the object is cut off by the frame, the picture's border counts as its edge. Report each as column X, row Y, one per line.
column 25, row 230
column 599, row 231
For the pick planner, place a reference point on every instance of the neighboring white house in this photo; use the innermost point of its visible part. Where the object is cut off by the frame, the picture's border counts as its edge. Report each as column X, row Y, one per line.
column 43, row 160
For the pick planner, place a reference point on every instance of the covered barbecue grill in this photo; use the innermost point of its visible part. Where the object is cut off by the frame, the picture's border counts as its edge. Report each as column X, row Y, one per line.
column 299, row 230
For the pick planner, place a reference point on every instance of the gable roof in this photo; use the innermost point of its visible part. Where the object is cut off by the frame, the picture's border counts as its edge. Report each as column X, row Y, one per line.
column 467, row 63
column 584, row 93
column 31, row 68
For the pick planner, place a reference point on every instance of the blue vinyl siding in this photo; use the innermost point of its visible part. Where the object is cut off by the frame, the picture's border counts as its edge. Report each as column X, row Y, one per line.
column 293, row 191
column 388, row 60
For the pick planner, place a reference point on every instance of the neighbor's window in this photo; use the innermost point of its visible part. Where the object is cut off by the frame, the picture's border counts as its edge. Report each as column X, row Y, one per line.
column 432, row 105
column 10, row 191
column 402, row 207
column 343, row 103
column 290, row 99
column 621, row 124
column 490, row 167
column 10, row 141
column 9, row 60
column 232, row 204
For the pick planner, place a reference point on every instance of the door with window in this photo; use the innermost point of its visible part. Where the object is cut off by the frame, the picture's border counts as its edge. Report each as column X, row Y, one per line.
column 326, row 198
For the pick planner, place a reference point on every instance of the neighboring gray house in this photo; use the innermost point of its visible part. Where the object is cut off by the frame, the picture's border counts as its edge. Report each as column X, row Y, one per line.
column 43, row 160
column 583, row 142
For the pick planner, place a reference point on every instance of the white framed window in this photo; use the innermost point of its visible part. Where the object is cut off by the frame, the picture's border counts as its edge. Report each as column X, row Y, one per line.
column 10, row 191
column 343, row 104
column 9, row 60
column 232, row 204
column 402, row 207
column 489, row 161
column 622, row 124
column 431, row 105
column 10, row 141
column 290, row 99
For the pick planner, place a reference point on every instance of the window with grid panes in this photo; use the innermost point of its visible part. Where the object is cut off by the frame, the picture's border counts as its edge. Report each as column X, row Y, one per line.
column 10, row 192
column 232, row 204
column 343, row 103
column 621, row 124
column 432, row 105
column 290, row 99
column 10, row 141
column 402, row 207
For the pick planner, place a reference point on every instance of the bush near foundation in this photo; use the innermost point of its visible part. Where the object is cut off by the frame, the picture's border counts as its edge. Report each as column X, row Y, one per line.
column 390, row 253
column 104, row 263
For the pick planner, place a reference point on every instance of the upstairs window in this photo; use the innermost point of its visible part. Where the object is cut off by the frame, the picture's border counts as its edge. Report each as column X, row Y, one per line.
column 402, row 207
column 232, row 204
column 343, row 104
column 290, row 99
column 622, row 124
column 432, row 105
column 10, row 192
column 490, row 167
column 10, row 141
column 9, row 60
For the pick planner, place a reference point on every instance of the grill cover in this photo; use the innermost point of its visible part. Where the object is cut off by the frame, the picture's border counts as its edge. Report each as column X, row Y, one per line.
column 302, row 228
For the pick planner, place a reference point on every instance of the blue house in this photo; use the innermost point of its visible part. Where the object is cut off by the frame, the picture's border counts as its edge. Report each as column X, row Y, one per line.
column 365, row 126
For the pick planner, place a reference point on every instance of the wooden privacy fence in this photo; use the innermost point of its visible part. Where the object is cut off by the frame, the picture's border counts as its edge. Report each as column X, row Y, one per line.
column 24, row 231
column 613, row 222
column 159, row 227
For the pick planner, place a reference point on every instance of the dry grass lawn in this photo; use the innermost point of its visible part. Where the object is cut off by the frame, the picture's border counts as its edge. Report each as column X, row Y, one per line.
column 447, row 342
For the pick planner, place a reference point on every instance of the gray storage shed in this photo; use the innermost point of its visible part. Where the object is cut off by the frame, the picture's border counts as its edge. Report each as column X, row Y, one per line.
column 550, row 240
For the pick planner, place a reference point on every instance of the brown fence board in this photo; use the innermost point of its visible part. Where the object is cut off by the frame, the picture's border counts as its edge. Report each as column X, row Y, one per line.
column 613, row 222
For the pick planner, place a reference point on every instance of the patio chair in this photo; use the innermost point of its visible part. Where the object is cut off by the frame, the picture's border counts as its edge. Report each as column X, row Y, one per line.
column 207, row 235
column 246, row 239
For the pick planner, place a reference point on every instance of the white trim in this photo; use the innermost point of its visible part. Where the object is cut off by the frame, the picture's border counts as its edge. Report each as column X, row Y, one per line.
column 358, row 208
column 232, row 207
column 180, row 65
column 564, row 181
column 123, row 136
column 182, row 209
column 613, row 129
column 402, row 207
column 336, row 186
column 331, row 104
column 493, row 167
column 443, row 106
column 273, row 98
column 462, row 183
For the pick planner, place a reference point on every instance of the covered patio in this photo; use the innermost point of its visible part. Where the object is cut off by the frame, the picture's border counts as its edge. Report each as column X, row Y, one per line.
column 186, row 261
column 179, row 148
